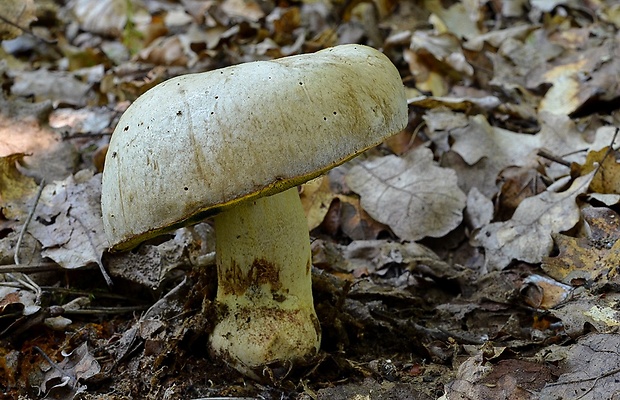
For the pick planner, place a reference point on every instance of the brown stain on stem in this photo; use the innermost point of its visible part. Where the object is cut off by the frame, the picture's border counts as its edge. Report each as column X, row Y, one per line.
column 233, row 280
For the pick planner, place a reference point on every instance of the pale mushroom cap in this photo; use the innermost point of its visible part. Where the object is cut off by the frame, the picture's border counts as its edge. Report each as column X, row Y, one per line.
column 201, row 142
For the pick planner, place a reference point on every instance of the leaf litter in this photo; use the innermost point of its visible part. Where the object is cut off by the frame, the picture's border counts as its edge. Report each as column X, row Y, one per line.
column 472, row 256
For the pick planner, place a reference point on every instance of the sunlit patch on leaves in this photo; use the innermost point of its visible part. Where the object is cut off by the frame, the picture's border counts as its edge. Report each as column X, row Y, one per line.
column 316, row 197
column 15, row 188
column 410, row 194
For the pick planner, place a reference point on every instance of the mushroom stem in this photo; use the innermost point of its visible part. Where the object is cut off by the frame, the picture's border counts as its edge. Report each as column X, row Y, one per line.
column 265, row 283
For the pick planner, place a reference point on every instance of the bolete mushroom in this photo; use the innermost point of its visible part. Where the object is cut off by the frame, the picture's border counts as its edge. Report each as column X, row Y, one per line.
column 235, row 143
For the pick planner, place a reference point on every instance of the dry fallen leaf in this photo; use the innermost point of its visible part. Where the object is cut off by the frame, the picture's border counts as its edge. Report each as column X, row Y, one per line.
column 15, row 14
column 527, row 235
column 410, row 194
column 607, row 180
column 485, row 149
column 68, row 222
column 106, row 17
column 12, row 298
column 543, row 292
column 586, row 313
column 15, row 188
column 504, row 148
column 58, row 86
column 63, row 379
column 583, row 260
column 590, row 370
column 479, row 379
column 479, row 210
column 316, row 197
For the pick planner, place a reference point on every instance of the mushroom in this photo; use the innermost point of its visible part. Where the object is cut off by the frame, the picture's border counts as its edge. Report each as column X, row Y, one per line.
column 234, row 143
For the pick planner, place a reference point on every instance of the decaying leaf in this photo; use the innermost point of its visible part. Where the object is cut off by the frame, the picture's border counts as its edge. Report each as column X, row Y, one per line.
column 582, row 260
column 590, row 371
column 373, row 257
column 479, row 211
column 410, row 194
column 456, row 104
column 478, row 379
column 504, row 148
column 20, row 298
column 570, row 91
column 150, row 264
column 584, row 313
column 68, row 221
column 65, row 379
column 527, row 235
column 607, row 180
column 517, row 184
column 48, row 157
column 484, row 150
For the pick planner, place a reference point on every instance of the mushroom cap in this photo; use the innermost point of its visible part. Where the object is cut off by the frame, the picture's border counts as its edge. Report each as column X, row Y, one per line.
column 198, row 143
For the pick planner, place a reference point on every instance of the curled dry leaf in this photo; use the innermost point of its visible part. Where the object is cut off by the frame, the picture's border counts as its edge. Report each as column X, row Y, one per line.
column 527, row 235
column 412, row 195
column 66, row 377
column 539, row 291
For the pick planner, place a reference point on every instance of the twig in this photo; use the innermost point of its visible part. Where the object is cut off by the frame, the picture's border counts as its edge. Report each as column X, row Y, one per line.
column 96, row 295
column 549, row 156
column 43, row 267
column 52, row 363
column 28, row 219
column 104, row 310
column 20, row 277
column 104, row 273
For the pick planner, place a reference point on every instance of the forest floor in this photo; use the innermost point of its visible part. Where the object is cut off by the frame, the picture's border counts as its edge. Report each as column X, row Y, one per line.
column 487, row 270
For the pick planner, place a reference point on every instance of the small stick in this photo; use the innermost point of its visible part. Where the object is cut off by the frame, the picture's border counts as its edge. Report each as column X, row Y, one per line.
column 20, row 277
column 104, row 310
column 549, row 156
column 28, row 219
column 43, row 267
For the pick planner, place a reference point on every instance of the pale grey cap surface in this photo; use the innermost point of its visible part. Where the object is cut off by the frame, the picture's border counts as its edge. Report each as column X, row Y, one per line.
column 201, row 142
